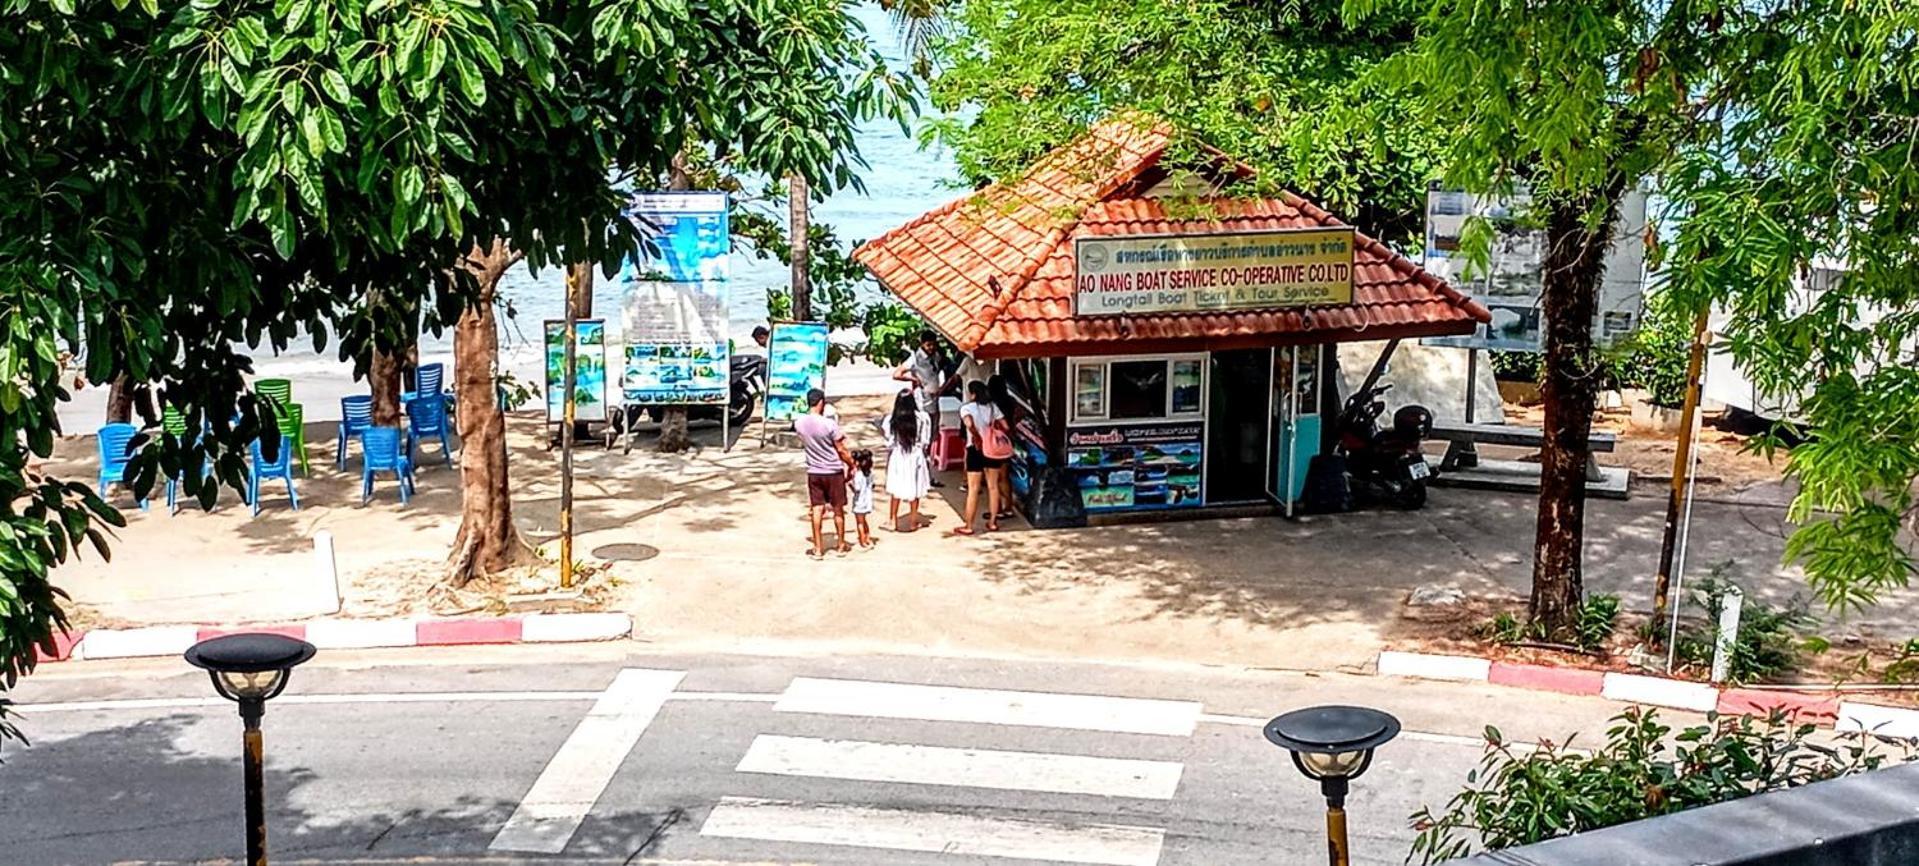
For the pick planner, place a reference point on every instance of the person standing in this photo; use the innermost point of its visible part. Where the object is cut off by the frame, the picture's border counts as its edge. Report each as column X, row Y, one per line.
column 828, row 467
column 862, row 489
column 907, row 473
column 1009, row 410
column 983, row 422
column 925, row 370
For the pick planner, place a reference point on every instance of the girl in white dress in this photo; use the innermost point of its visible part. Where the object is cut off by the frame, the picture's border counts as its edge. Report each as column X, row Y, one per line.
column 907, row 473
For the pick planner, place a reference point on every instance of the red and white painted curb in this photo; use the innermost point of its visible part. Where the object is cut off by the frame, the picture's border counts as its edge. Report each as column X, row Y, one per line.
column 1824, row 709
column 172, row 640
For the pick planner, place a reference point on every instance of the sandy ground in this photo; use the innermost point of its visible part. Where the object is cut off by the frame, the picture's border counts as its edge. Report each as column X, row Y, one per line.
column 707, row 550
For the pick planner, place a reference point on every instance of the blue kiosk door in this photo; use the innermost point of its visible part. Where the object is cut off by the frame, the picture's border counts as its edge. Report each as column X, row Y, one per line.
column 1296, row 421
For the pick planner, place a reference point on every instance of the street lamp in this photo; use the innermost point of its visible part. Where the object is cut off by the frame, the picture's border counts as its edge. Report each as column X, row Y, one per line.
column 251, row 669
column 1333, row 745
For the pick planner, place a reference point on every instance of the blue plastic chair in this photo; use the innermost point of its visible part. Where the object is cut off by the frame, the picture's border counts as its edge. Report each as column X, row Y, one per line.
column 281, row 467
column 116, row 450
column 428, row 380
column 356, row 416
column 426, row 416
column 380, row 451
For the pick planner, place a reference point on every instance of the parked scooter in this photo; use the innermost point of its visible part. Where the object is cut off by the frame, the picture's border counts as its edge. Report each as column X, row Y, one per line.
column 1385, row 465
column 748, row 376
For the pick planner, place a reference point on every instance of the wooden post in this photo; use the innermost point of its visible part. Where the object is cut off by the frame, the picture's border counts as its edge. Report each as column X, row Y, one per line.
column 575, row 274
column 1681, row 468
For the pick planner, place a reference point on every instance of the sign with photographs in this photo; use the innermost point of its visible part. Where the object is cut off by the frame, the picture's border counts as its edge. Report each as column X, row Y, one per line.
column 1511, row 283
column 589, row 370
column 796, row 363
column 674, row 302
column 1136, row 466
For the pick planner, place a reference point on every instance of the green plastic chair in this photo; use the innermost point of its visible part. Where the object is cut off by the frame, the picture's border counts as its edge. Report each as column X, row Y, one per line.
column 293, row 430
column 173, row 422
column 280, row 390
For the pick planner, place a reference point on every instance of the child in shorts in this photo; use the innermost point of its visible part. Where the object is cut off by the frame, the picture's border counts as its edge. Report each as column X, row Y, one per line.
column 862, row 489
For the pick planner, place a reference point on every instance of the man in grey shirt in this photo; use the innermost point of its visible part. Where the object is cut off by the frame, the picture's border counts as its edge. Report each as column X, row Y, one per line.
column 925, row 373
column 828, row 466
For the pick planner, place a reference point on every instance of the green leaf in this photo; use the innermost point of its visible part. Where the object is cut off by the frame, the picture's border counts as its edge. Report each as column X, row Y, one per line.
column 408, row 184
column 435, row 58
column 471, row 84
column 334, row 85
column 315, row 139
column 332, row 129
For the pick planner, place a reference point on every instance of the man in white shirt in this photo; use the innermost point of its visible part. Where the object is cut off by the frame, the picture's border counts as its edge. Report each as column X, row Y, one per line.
column 925, row 373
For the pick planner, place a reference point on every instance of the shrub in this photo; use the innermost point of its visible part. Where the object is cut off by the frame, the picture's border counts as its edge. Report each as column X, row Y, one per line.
column 1654, row 358
column 1519, row 795
column 1770, row 641
column 1597, row 614
column 1517, row 366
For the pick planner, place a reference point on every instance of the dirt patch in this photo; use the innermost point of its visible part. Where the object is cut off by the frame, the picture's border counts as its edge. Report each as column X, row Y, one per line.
column 416, row 588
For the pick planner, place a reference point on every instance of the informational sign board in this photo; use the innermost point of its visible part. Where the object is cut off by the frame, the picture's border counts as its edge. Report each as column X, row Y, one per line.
column 1124, row 467
column 796, row 363
column 673, row 314
column 589, row 370
column 1512, row 281
column 1134, row 274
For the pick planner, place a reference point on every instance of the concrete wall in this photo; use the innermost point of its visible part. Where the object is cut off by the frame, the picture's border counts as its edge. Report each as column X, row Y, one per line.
column 1432, row 376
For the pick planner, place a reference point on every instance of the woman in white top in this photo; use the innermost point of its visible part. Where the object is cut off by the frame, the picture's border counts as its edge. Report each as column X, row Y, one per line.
column 907, row 472
column 978, row 416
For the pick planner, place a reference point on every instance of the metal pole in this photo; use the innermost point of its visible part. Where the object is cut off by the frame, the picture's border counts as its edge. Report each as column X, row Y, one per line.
column 253, row 760
column 1472, row 384
column 568, row 381
column 1337, row 852
column 1681, row 470
column 1291, row 427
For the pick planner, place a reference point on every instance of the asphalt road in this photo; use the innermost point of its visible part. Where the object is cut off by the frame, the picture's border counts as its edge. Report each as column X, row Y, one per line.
column 613, row 755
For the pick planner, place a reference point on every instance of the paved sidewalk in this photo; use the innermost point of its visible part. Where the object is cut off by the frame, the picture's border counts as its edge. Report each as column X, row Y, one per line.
column 707, row 551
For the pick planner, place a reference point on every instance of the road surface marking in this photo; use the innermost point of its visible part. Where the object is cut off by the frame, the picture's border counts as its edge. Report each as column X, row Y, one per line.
column 988, row 706
column 285, row 700
column 573, row 780
column 939, row 832
column 966, row 768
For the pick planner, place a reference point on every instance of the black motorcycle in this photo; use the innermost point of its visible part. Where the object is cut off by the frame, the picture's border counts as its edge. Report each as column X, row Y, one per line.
column 748, row 377
column 1385, row 465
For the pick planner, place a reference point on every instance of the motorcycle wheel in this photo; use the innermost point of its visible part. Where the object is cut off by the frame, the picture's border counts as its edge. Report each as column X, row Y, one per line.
column 740, row 412
column 1413, row 497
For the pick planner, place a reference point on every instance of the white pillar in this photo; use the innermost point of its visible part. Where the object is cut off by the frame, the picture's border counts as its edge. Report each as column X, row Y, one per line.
column 1730, row 606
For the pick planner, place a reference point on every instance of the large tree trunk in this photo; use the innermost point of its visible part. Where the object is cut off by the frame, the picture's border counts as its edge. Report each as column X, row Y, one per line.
column 120, row 401
column 797, row 219
column 487, row 541
column 1575, row 261
column 384, row 379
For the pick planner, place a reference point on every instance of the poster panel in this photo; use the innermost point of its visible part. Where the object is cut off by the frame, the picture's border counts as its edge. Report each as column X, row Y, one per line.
column 1122, row 467
column 673, row 304
column 796, row 363
column 589, row 373
column 1133, row 274
column 1511, row 283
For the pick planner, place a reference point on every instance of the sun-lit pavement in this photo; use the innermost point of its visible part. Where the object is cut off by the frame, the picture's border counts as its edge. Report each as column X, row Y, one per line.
column 609, row 754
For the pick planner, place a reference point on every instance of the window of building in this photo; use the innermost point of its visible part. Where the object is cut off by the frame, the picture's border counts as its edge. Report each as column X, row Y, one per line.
column 1138, row 389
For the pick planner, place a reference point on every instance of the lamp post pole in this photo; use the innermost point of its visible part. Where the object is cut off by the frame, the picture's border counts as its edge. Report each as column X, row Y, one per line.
column 254, row 758
column 1333, row 746
column 251, row 669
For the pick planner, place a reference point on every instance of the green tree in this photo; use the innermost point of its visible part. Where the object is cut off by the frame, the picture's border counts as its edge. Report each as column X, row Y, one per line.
column 1802, row 223
column 262, row 171
column 1281, row 87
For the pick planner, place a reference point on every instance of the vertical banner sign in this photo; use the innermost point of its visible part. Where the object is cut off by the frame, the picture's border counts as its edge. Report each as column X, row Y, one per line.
column 796, row 363
column 589, row 378
column 674, row 303
column 1512, row 281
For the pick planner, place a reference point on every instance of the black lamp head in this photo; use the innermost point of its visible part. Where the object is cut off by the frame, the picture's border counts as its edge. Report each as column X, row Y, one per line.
column 253, row 666
column 1332, row 744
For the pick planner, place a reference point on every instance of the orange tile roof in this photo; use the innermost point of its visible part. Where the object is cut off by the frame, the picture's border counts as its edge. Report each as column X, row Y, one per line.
column 994, row 271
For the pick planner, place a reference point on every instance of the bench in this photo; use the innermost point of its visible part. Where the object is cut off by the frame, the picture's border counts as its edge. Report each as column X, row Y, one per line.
column 1462, row 452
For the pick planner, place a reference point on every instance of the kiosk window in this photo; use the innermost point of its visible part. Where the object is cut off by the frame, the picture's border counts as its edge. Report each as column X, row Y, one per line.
column 1139, row 389
column 1089, row 390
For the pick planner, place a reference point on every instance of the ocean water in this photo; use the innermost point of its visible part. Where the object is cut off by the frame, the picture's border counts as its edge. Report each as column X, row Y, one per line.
column 901, row 182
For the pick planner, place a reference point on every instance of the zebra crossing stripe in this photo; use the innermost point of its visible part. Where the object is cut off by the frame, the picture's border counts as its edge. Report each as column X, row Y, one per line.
column 968, row 768
column 988, row 706
column 939, row 832
column 573, row 780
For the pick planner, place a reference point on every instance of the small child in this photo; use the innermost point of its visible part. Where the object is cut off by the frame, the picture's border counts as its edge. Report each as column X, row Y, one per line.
column 862, row 489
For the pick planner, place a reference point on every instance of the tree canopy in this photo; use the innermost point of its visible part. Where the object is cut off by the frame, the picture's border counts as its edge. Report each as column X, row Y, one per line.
column 180, row 188
column 1279, row 86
